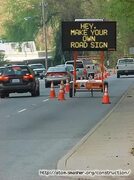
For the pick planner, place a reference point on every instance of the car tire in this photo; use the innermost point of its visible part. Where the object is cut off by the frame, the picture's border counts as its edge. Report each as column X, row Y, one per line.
column 7, row 95
column 71, row 92
column 47, row 85
column 38, row 92
column 118, row 75
column 2, row 95
column 34, row 92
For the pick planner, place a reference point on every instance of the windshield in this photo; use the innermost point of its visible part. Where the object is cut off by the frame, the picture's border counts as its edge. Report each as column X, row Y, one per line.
column 124, row 61
column 16, row 70
column 78, row 64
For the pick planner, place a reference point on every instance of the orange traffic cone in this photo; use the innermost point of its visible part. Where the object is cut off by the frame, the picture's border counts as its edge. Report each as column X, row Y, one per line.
column 67, row 88
column 105, row 99
column 61, row 93
column 52, row 91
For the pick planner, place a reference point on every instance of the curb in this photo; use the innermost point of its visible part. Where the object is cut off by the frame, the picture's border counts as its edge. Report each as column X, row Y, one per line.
column 63, row 161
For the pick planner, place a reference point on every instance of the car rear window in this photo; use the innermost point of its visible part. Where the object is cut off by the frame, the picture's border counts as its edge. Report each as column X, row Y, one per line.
column 56, row 69
column 16, row 70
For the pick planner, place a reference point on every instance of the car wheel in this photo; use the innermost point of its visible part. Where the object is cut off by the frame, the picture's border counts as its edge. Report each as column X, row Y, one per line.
column 38, row 92
column 2, row 95
column 47, row 85
column 71, row 92
column 34, row 92
column 7, row 95
column 118, row 75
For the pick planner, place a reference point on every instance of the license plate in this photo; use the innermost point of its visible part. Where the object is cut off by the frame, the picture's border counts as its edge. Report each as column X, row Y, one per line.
column 15, row 80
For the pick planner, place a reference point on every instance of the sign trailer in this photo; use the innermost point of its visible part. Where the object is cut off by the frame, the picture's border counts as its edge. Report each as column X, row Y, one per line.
column 88, row 35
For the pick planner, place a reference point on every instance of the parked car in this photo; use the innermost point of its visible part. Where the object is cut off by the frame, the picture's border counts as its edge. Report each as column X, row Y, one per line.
column 125, row 66
column 57, row 74
column 18, row 79
column 81, row 71
column 39, row 69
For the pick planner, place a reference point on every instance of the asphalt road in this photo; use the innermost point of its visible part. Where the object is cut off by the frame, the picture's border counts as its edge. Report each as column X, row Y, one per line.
column 36, row 132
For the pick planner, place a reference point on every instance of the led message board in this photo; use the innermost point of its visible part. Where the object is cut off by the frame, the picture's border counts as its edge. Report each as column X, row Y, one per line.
column 89, row 36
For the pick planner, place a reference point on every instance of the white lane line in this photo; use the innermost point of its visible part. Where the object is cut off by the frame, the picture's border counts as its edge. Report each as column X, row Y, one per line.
column 45, row 100
column 22, row 110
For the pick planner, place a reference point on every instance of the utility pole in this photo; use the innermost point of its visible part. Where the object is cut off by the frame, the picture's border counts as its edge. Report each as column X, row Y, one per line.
column 44, row 23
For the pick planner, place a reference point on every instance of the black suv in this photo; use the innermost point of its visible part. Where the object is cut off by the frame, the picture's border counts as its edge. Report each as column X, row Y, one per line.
column 20, row 79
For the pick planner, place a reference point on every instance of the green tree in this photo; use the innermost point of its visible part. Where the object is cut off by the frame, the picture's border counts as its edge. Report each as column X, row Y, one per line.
column 19, row 28
column 23, row 24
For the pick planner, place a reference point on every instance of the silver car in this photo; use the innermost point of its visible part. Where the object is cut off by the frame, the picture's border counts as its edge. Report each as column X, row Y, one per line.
column 57, row 74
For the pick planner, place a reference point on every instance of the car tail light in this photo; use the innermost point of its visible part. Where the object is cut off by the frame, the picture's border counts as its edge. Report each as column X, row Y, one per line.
column 28, row 76
column 4, row 78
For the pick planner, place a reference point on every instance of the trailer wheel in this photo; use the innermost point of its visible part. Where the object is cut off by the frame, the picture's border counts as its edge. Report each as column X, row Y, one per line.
column 71, row 92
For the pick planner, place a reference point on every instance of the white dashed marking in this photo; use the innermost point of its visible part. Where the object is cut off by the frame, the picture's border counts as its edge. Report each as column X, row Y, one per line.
column 45, row 100
column 21, row 110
